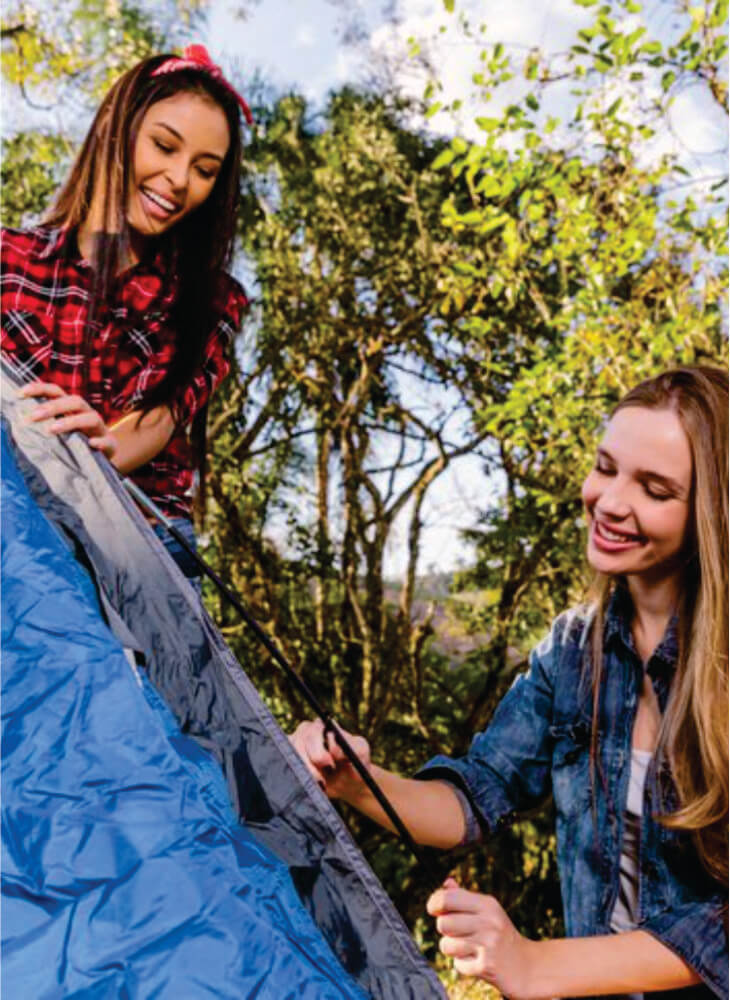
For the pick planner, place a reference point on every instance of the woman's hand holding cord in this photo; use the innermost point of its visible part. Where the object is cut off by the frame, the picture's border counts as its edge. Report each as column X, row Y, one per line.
column 430, row 810
column 327, row 762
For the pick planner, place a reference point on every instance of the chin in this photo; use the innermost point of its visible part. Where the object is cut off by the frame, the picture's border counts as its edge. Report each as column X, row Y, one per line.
column 610, row 565
column 145, row 229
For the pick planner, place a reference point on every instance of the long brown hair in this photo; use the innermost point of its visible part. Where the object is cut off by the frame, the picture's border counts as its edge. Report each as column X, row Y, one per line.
column 196, row 250
column 693, row 738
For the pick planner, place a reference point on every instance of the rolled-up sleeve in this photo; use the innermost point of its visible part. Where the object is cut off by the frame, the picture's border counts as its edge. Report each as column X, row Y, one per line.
column 507, row 768
column 215, row 364
column 697, row 932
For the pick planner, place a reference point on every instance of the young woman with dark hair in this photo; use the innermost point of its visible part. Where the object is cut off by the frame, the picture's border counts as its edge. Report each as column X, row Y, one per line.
column 118, row 309
column 622, row 716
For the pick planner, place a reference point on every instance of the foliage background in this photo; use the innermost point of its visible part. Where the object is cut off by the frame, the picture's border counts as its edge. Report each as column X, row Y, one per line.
column 419, row 297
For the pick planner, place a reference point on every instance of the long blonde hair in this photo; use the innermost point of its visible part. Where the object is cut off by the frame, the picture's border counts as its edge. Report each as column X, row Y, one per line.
column 693, row 738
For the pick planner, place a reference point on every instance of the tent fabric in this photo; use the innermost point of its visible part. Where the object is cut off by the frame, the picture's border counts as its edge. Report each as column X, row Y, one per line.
column 125, row 871
column 189, row 869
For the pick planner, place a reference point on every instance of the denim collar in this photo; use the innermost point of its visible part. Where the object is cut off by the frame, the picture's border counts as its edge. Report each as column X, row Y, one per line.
column 618, row 627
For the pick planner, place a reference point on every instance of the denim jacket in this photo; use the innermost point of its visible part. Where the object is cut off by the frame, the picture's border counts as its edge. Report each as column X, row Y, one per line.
column 538, row 743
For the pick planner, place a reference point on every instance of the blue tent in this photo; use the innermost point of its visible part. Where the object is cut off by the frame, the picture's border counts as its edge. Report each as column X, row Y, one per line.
column 160, row 836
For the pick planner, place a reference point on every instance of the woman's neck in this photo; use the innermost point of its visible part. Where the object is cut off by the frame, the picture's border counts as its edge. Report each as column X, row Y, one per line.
column 88, row 235
column 85, row 240
column 654, row 603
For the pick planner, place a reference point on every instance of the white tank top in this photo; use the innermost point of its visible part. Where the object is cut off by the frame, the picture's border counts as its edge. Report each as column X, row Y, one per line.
column 626, row 909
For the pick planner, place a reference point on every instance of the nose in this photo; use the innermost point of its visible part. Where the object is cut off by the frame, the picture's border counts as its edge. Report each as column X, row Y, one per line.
column 613, row 500
column 178, row 173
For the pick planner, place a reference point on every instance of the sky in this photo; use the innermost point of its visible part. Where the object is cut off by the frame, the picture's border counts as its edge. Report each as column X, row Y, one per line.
column 299, row 44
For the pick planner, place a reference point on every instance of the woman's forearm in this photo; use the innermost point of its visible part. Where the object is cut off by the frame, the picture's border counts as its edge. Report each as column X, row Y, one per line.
column 140, row 440
column 482, row 940
column 430, row 810
column 633, row 962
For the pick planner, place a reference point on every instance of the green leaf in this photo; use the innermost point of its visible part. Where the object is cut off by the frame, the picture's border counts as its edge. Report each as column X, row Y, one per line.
column 491, row 224
column 471, row 218
column 445, row 157
column 487, row 124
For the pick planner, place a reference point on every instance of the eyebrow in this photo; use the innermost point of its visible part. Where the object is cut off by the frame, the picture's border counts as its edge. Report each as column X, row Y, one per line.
column 644, row 474
column 213, row 156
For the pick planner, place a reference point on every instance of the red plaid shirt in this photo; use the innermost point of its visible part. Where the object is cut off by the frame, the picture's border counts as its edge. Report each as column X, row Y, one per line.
column 45, row 292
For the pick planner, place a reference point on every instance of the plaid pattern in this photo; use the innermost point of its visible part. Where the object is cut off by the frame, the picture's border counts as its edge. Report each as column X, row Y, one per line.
column 45, row 292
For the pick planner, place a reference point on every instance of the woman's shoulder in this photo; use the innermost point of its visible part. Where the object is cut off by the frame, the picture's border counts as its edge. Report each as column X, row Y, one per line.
column 33, row 241
column 569, row 632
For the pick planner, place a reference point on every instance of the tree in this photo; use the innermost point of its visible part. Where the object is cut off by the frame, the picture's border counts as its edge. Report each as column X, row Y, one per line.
column 416, row 299
column 356, row 389
column 564, row 266
column 342, row 224
column 74, row 50
column 597, row 267
column 33, row 164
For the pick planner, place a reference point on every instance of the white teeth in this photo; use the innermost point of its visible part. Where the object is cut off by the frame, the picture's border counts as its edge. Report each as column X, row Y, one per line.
column 614, row 536
column 168, row 206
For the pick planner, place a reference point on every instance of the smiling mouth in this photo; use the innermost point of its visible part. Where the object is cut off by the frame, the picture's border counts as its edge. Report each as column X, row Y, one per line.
column 161, row 202
column 616, row 538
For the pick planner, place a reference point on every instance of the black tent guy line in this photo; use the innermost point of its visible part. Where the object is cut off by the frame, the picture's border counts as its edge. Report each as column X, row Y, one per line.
column 330, row 725
column 194, row 722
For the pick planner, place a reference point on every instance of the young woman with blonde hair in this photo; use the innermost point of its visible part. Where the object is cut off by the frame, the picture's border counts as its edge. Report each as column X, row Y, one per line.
column 622, row 715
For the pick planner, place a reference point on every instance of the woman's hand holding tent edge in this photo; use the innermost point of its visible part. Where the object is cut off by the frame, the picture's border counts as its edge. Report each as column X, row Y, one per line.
column 128, row 444
column 69, row 413
column 430, row 810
